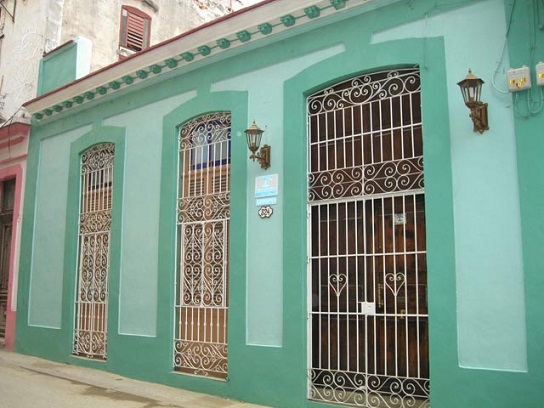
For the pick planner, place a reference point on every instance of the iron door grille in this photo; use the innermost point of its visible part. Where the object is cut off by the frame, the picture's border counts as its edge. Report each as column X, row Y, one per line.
column 368, row 323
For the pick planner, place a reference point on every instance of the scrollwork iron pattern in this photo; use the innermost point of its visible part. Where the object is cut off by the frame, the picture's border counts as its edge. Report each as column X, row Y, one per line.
column 386, row 177
column 378, row 175
column 367, row 390
column 97, row 158
column 204, row 359
column 208, row 129
column 90, row 332
column 203, row 213
column 203, row 264
column 95, row 221
column 365, row 89
column 94, row 266
column 90, row 344
column 209, row 207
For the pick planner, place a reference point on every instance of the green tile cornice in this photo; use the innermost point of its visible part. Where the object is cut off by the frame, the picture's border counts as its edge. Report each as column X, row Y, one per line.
column 288, row 20
column 312, row 12
column 265, row 28
column 142, row 74
column 156, row 69
column 223, row 43
column 189, row 56
column 244, row 36
column 338, row 4
column 171, row 63
column 204, row 50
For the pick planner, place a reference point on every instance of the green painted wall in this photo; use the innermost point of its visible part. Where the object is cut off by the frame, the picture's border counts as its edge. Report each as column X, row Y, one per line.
column 45, row 302
column 487, row 236
column 484, row 287
column 64, row 64
column 140, row 251
column 265, row 257
column 525, row 40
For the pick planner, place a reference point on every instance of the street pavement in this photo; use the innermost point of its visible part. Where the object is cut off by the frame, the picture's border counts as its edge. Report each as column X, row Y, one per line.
column 30, row 382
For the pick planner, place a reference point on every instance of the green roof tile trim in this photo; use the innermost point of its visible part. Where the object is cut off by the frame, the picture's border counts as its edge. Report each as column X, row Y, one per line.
column 142, row 74
column 155, row 68
column 223, row 43
column 243, row 36
column 265, row 28
column 171, row 63
column 57, row 108
column 188, row 56
column 338, row 4
column 312, row 12
column 288, row 20
column 204, row 50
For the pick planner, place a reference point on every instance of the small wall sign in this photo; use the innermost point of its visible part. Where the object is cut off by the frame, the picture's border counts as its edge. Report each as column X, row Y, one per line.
column 266, row 186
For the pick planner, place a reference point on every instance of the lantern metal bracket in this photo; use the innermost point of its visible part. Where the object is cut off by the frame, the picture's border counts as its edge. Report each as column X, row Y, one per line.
column 478, row 114
column 263, row 156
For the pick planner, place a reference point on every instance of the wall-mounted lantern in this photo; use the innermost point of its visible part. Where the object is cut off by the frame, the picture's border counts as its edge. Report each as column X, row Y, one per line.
column 471, row 88
column 253, row 136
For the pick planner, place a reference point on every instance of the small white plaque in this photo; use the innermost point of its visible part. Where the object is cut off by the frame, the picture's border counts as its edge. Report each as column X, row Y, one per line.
column 368, row 308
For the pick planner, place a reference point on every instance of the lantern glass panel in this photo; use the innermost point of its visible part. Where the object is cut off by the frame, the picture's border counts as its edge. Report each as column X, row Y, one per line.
column 253, row 140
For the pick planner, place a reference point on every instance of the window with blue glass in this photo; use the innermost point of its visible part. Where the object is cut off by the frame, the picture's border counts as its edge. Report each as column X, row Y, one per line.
column 209, row 143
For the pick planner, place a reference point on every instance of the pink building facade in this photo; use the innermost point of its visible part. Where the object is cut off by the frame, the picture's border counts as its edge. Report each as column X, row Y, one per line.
column 13, row 154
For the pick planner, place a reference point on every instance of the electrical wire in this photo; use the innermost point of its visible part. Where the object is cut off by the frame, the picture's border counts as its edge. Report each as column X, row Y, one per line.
column 9, row 121
column 505, row 45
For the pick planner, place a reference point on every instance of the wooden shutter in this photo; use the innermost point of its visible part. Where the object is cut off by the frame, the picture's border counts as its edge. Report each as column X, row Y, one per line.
column 134, row 29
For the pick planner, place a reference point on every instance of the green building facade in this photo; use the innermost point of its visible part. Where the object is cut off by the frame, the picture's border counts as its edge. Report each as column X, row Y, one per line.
column 389, row 255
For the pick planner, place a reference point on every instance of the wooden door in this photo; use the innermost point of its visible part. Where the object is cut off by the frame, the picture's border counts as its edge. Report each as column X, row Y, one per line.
column 396, row 271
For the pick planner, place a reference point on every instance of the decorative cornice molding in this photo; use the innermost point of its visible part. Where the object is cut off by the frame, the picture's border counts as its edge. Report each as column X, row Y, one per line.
column 251, row 24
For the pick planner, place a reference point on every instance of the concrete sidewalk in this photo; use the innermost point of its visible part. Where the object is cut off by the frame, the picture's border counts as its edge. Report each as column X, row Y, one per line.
column 33, row 382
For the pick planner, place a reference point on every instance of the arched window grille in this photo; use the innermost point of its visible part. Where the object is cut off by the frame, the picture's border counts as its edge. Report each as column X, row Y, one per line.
column 203, row 214
column 91, row 304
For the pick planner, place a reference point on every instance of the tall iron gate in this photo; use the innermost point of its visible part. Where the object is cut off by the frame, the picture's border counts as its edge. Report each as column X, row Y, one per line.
column 367, row 271
column 96, row 190
column 203, row 214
